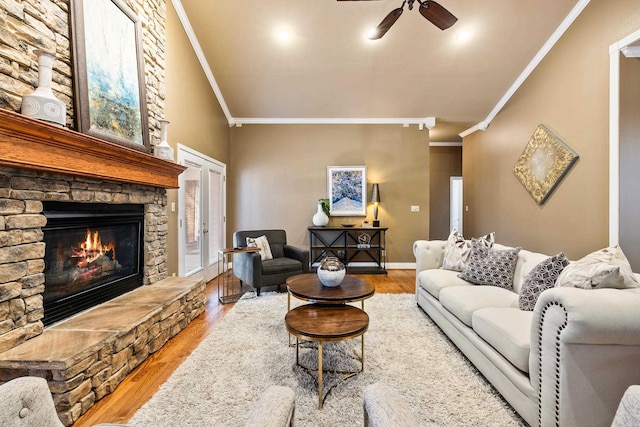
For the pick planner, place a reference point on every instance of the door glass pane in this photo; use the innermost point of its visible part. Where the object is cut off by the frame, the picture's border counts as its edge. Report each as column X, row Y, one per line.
column 192, row 229
column 215, row 215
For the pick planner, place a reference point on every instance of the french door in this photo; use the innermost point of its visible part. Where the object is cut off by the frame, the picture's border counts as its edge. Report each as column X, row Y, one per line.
column 201, row 214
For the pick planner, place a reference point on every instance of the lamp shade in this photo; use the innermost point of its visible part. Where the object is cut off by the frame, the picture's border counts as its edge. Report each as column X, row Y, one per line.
column 375, row 194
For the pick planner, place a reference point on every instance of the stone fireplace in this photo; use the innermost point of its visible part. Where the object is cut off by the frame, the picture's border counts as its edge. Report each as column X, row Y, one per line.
column 93, row 253
column 80, row 216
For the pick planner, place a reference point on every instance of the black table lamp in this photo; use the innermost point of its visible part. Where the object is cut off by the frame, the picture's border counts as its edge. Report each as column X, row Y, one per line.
column 375, row 199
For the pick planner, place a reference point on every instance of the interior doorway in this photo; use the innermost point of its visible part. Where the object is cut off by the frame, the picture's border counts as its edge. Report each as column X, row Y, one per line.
column 201, row 215
column 624, row 154
column 455, row 198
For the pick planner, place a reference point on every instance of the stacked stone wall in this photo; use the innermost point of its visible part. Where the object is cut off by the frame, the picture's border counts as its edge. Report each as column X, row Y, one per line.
column 22, row 247
column 28, row 25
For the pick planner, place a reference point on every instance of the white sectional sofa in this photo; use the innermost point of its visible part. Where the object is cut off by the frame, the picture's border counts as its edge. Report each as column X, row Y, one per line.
column 566, row 363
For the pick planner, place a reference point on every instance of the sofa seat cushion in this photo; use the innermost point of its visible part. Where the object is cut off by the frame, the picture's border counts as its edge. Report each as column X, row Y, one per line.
column 433, row 281
column 463, row 301
column 508, row 330
column 281, row 265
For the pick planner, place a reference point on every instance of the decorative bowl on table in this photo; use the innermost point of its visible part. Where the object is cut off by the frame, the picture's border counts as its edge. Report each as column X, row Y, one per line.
column 349, row 225
column 331, row 272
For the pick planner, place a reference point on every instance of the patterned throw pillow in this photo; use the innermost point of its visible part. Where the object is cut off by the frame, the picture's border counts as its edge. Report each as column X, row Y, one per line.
column 457, row 250
column 488, row 266
column 606, row 268
column 543, row 276
column 263, row 244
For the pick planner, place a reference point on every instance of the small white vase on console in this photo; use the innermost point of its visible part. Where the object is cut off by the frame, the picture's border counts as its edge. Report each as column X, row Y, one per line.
column 42, row 103
column 320, row 219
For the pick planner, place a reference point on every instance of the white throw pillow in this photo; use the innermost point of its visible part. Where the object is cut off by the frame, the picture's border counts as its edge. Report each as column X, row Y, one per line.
column 261, row 243
column 606, row 268
column 457, row 250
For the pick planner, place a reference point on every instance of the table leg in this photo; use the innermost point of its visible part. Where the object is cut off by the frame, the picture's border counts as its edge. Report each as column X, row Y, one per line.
column 297, row 361
column 319, row 374
column 362, row 366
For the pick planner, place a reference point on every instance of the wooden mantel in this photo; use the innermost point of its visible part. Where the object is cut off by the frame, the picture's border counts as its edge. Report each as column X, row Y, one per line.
column 33, row 144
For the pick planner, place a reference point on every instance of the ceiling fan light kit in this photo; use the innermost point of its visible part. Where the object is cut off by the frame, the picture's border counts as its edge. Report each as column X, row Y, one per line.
column 432, row 11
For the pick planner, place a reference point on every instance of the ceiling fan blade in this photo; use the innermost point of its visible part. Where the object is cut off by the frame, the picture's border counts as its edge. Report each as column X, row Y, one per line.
column 386, row 23
column 438, row 15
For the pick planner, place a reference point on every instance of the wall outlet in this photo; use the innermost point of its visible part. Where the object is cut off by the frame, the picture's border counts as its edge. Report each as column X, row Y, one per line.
column 415, row 208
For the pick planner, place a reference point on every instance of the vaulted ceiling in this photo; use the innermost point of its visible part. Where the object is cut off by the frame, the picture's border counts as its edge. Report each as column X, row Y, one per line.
column 280, row 61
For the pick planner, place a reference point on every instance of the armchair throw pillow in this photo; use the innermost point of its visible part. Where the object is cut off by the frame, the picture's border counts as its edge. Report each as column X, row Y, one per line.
column 261, row 243
column 488, row 266
column 543, row 276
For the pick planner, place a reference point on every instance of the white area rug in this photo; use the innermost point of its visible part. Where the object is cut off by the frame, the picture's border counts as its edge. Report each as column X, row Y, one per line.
column 248, row 351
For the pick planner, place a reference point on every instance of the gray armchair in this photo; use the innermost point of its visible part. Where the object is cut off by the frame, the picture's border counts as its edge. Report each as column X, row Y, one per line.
column 287, row 260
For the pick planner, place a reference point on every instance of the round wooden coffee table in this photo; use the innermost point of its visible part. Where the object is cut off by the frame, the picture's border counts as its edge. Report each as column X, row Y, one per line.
column 326, row 322
column 308, row 287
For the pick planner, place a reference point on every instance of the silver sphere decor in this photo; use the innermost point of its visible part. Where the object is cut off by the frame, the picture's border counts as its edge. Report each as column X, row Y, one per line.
column 331, row 272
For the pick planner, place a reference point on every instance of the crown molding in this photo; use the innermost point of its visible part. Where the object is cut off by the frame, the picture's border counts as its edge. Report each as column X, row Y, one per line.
column 428, row 122
column 631, row 51
column 445, row 144
column 533, row 64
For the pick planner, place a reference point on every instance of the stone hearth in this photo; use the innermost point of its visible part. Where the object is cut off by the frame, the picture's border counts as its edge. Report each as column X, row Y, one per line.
column 85, row 357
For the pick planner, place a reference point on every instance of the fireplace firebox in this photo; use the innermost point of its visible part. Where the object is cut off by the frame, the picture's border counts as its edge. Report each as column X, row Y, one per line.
column 94, row 253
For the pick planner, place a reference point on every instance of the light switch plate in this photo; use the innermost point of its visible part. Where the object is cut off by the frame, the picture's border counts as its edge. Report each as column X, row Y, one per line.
column 415, row 208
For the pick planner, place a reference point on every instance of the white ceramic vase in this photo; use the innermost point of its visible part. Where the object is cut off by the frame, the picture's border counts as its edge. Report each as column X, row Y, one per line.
column 164, row 150
column 42, row 103
column 320, row 219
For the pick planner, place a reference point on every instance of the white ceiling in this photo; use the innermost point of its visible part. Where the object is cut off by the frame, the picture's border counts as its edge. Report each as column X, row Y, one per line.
column 329, row 69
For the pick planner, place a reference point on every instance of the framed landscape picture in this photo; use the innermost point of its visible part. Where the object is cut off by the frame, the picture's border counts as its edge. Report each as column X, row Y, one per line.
column 109, row 72
column 347, row 190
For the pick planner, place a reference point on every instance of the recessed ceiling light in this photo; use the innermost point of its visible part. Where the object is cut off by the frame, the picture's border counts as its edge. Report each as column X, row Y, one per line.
column 283, row 35
column 463, row 36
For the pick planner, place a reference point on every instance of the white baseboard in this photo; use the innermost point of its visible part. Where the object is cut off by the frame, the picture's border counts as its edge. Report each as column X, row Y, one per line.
column 401, row 266
column 389, row 265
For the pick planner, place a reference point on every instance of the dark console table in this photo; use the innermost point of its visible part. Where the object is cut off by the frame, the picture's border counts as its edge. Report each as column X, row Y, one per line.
column 361, row 249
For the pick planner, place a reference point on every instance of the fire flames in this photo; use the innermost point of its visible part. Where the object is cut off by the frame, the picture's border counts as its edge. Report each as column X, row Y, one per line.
column 92, row 249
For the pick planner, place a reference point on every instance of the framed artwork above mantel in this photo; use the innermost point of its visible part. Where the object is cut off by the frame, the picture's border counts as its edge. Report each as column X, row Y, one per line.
column 110, row 89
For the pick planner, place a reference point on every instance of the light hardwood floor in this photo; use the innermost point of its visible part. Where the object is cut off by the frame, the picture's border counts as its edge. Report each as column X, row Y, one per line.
column 144, row 381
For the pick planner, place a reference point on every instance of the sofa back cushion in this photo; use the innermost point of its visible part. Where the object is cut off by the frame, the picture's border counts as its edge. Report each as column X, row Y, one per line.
column 526, row 261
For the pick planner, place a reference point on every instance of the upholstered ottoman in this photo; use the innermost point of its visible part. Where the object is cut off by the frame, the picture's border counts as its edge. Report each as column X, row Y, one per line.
column 27, row 401
column 628, row 413
column 384, row 407
column 275, row 408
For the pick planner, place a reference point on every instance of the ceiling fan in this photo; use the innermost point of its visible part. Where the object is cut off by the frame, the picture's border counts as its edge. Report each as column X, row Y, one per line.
column 434, row 12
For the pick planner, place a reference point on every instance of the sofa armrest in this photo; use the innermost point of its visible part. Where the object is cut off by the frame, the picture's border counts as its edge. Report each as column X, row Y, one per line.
column 299, row 254
column 585, row 347
column 428, row 253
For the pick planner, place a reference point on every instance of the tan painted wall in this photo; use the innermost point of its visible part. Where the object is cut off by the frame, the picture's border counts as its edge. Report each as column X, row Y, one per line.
column 193, row 110
column 568, row 93
column 279, row 173
column 444, row 162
